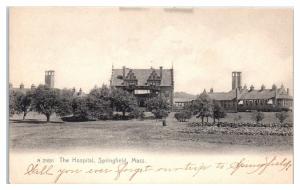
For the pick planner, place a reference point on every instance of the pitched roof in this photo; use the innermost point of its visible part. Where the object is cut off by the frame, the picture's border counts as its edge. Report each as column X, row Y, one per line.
column 222, row 95
column 21, row 89
column 258, row 94
column 142, row 76
column 250, row 95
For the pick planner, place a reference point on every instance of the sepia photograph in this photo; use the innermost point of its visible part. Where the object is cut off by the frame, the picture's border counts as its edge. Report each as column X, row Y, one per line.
column 151, row 94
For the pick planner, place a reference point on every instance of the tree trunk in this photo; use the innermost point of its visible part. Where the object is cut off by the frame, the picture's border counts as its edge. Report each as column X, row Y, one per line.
column 206, row 119
column 124, row 114
column 202, row 118
column 48, row 118
column 214, row 119
column 24, row 115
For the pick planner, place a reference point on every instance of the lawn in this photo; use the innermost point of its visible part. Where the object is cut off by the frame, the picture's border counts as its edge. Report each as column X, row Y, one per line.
column 34, row 134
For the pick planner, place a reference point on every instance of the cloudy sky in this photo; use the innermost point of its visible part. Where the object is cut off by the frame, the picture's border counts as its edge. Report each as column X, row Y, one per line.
column 204, row 45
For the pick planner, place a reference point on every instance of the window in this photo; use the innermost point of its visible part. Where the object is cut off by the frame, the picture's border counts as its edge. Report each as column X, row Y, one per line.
column 141, row 91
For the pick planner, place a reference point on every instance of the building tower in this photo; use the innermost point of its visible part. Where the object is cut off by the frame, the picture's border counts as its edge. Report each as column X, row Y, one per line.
column 49, row 78
column 236, row 80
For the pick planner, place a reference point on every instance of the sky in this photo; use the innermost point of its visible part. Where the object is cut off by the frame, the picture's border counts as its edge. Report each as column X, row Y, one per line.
column 204, row 45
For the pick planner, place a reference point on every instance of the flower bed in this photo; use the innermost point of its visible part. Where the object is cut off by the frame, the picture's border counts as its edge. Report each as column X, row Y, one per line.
column 241, row 128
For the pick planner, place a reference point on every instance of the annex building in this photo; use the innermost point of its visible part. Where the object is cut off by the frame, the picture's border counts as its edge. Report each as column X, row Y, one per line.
column 240, row 99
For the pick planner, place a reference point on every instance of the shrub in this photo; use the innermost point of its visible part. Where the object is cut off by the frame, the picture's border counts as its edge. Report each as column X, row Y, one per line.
column 137, row 113
column 258, row 116
column 183, row 116
column 282, row 116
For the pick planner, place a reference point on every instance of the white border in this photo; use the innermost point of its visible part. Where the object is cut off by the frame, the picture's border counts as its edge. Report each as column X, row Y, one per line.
column 168, row 3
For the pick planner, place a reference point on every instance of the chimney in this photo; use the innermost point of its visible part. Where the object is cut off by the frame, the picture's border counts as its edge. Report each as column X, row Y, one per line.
column 160, row 72
column 237, row 90
column 262, row 87
column 211, row 90
column 32, row 87
column 123, row 72
column 236, row 80
column 288, row 91
column 251, row 88
column 49, row 78
column 22, row 86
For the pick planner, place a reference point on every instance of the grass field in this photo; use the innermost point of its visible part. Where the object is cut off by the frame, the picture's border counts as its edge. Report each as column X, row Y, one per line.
column 148, row 135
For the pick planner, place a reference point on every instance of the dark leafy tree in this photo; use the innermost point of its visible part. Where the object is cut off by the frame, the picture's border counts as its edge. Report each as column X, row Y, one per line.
column 218, row 112
column 258, row 116
column 12, row 103
column 159, row 106
column 80, row 109
column 65, row 99
column 202, row 107
column 46, row 100
column 99, row 103
column 103, row 93
column 123, row 101
column 282, row 116
column 23, row 102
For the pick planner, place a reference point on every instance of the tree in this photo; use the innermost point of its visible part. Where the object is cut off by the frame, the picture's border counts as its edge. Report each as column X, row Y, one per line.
column 258, row 116
column 46, row 101
column 12, row 103
column 218, row 112
column 202, row 106
column 23, row 101
column 282, row 116
column 159, row 106
column 123, row 101
column 65, row 99
column 96, row 105
column 80, row 108
column 100, row 102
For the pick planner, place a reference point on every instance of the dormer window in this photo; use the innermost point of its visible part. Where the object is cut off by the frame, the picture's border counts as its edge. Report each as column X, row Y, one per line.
column 130, row 79
column 154, row 79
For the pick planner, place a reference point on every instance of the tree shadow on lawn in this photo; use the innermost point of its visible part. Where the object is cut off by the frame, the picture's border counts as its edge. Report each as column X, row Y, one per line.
column 33, row 121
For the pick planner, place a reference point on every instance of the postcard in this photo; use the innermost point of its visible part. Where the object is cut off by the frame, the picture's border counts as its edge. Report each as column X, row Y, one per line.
column 150, row 95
